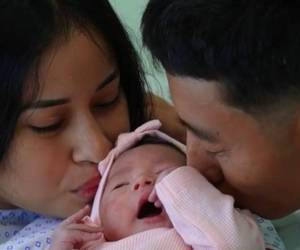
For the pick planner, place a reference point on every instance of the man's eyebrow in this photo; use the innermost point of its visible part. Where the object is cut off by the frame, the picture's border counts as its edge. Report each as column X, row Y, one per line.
column 202, row 133
column 107, row 80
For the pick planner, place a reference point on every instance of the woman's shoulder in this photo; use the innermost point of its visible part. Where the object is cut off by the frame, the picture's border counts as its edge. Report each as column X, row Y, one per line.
column 21, row 229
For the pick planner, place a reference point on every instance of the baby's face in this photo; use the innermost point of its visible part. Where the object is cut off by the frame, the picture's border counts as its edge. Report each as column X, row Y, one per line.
column 124, row 206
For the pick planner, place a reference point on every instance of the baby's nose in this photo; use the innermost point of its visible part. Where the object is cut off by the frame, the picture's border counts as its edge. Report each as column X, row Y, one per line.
column 143, row 181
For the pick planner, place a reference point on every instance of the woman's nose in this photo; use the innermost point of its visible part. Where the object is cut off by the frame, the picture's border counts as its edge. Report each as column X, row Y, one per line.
column 198, row 157
column 91, row 144
column 143, row 181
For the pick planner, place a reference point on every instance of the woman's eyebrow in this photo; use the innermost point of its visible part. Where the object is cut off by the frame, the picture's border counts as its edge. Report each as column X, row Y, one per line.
column 55, row 102
column 46, row 103
column 112, row 76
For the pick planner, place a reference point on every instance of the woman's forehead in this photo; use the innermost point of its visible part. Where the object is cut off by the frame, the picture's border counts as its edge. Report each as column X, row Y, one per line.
column 76, row 61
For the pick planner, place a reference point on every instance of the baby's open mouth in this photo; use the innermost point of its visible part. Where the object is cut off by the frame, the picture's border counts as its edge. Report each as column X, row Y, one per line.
column 147, row 209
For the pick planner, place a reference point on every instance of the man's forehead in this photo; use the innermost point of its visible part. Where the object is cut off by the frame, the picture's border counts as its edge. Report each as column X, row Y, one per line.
column 207, row 91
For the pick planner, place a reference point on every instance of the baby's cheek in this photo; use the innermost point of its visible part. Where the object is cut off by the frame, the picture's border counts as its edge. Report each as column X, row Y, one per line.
column 113, row 221
column 109, row 210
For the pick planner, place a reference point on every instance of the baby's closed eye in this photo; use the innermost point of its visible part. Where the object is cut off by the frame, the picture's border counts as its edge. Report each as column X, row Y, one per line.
column 120, row 185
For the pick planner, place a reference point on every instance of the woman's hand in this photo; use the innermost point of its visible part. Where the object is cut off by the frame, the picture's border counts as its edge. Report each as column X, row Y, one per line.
column 165, row 112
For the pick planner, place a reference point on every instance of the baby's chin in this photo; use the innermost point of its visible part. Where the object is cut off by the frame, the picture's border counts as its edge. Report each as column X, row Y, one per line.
column 142, row 225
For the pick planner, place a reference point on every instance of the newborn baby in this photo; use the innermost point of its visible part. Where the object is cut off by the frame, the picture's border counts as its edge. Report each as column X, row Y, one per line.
column 148, row 199
column 125, row 207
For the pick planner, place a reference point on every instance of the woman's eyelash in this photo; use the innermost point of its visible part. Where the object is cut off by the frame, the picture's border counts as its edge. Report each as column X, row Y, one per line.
column 46, row 129
column 108, row 103
column 214, row 153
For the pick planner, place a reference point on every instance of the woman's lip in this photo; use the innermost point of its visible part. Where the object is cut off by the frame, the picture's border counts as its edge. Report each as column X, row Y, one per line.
column 89, row 188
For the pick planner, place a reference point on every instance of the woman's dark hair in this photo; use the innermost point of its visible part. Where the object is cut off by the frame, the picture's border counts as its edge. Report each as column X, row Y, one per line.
column 251, row 48
column 28, row 28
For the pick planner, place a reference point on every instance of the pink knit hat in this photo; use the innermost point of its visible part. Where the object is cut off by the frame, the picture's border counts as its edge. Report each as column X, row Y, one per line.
column 126, row 141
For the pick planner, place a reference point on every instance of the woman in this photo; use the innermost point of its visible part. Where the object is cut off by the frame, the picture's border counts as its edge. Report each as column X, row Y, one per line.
column 70, row 82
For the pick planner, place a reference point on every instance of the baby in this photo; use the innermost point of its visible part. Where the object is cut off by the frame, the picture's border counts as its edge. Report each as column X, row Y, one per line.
column 148, row 199
column 126, row 208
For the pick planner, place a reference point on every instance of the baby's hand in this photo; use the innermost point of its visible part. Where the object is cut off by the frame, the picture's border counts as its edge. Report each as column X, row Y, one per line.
column 72, row 233
column 153, row 195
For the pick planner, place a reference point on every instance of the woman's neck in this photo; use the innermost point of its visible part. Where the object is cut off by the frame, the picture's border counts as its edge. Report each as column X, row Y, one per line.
column 5, row 205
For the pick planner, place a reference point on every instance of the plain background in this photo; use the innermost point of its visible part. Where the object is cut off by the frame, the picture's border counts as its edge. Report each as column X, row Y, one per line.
column 130, row 12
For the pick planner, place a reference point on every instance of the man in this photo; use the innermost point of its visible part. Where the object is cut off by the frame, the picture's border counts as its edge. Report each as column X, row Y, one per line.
column 233, row 69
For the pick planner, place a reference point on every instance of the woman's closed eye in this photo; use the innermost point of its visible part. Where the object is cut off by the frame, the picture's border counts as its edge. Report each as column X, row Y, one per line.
column 109, row 102
column 108, row 96
column 215, row 153
column 47, row 129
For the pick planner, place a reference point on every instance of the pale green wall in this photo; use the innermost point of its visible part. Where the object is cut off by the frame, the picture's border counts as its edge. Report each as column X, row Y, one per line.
column 130, row 12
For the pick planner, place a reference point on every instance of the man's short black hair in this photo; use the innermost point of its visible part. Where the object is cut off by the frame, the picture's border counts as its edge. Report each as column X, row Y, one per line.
column 251, row 48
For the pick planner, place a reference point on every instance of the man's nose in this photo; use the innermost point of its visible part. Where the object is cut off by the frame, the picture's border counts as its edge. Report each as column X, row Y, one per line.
column 143, row 181
column 198, row 157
